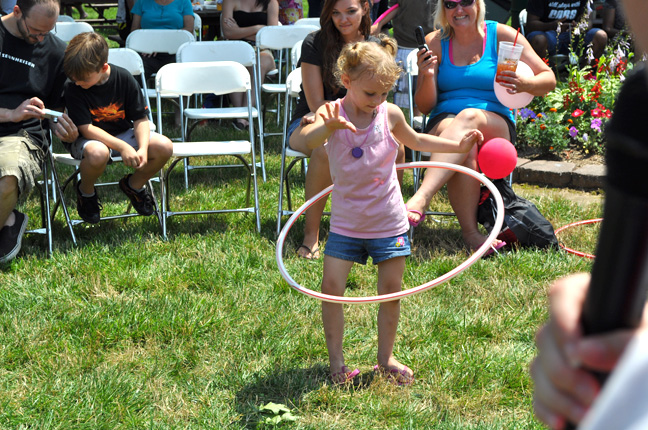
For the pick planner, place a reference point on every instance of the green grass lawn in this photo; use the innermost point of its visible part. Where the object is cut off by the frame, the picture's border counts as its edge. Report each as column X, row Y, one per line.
column 200, row 331
column 130, row 331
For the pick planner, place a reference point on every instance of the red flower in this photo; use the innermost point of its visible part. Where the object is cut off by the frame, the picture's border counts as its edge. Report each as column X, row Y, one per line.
column 597, row 113
column 542, row 126
column 577, row 113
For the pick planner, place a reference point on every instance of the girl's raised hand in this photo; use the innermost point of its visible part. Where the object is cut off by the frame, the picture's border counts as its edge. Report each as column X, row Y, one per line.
column 333, row 120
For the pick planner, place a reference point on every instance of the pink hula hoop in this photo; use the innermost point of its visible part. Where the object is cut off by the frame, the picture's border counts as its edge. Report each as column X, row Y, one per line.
column 384, row 14
column 499, row 220
column 575, row 224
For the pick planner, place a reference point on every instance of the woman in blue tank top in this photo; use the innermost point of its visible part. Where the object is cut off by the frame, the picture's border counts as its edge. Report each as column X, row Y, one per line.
column 455, row 85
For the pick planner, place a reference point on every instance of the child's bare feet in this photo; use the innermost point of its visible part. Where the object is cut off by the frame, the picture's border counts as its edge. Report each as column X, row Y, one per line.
column 474, row 239
column 395, row 372
column 415, row 208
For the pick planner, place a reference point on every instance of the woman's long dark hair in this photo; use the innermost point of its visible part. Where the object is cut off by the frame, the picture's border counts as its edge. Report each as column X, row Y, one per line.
column 332, row 41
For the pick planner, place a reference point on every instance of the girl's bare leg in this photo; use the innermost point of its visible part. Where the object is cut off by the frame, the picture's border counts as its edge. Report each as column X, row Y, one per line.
column 334, row 283
column 390, row 276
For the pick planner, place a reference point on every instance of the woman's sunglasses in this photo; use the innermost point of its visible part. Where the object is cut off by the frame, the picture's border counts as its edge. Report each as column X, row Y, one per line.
column 453, row 4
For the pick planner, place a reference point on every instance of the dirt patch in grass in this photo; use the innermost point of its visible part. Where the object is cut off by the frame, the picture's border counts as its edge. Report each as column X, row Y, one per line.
column 576, row 196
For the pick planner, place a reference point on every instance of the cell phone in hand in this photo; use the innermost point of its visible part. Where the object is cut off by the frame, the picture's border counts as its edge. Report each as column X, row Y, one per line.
column 420, row 39
column 52, row 114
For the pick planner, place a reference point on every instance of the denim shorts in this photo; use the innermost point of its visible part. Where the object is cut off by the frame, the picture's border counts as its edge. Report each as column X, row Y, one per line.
column 357, row 250
column 76, row 148
column 291, row 128
column 559, row 44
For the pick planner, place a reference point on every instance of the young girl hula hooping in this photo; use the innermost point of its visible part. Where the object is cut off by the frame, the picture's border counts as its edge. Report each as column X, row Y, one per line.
column 368, row 216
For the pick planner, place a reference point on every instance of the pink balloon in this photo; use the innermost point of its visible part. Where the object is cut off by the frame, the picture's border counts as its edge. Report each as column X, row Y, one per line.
column 518, row 100
column 497, row 158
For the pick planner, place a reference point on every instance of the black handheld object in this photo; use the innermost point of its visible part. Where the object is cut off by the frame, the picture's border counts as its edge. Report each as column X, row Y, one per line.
column 617, row 293
column 420, row 39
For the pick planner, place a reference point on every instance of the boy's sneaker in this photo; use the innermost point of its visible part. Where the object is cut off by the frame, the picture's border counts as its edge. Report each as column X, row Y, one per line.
column 89, row 208
column 11, row 237
column 142, row 200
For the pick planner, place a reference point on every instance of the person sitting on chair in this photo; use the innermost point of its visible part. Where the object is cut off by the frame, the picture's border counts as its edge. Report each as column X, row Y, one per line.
column 550, row 27
column 106, row 102
column 33, row 79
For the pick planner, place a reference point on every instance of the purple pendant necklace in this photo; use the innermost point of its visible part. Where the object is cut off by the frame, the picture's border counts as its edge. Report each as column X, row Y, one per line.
column 357, row 151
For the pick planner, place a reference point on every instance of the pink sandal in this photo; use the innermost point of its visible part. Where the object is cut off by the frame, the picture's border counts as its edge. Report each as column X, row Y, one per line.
column 344, row 376
column 417, row 212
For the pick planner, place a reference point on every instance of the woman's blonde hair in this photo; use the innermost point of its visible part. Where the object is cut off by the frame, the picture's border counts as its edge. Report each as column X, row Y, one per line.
column 375, row 57
column 440, row 21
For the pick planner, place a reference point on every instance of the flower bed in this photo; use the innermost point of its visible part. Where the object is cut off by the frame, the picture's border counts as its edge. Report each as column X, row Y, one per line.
column 573, row 116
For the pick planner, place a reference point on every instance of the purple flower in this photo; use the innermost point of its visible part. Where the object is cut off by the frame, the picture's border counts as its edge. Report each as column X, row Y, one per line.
column 596, row 124
column 573, row 131
column 526, row 113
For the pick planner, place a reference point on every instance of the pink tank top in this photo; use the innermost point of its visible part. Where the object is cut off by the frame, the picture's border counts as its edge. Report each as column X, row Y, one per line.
column 366, row 201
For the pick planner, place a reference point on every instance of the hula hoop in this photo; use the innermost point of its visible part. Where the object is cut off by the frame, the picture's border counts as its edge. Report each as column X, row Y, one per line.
column 384, row 14
column 576, row 224
column 499, row 220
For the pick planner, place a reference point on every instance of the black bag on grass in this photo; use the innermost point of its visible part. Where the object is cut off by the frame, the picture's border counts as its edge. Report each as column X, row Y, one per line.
column 523, row 222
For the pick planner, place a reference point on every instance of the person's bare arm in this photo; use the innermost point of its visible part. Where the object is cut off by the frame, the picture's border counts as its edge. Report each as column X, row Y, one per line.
column 313, row 86
column 428, row 67
column 188, row 23
column 534, row 24
column 136, row 24
column 404, row 134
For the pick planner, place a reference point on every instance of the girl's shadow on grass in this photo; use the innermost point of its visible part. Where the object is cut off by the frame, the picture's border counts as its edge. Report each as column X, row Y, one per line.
column 288, row 387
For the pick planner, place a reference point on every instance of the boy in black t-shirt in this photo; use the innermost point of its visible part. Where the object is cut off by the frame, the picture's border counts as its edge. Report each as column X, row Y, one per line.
column 107, row 105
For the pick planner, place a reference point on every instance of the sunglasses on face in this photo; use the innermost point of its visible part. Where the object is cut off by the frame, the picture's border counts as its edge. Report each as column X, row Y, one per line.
column 453, row 4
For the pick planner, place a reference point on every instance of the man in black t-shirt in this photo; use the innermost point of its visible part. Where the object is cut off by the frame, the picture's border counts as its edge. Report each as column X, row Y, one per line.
column 106, row 103
column 546, row 17
column 31, row 79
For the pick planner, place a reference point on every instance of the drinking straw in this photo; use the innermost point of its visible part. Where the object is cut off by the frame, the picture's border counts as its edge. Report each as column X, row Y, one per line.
column 516, row 36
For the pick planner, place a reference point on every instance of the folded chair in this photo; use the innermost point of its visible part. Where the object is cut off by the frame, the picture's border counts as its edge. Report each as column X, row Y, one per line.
column 67, row 30
column 46, row 194
column 218, row 77
column 277, row 38
column 157, row 40
column 220, row 50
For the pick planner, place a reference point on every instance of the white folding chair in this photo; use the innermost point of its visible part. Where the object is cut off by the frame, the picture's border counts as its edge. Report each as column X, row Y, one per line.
column 131, row 61
column 277, row 38
column 50, row 178
column 156, row 40
column 293, row 84
column 411, row 70
column 67, row 30
column 198, row 26
column 523, row 20
column 308, row 21
column 295, row 55
column 218, row 77
column 220, row 50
